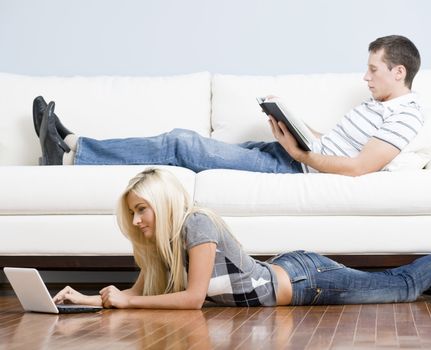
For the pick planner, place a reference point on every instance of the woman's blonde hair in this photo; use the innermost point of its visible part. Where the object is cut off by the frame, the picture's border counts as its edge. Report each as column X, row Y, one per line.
column 161, row 257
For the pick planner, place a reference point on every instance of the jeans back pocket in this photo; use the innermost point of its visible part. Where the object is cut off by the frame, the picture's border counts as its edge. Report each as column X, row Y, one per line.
column 323, row 263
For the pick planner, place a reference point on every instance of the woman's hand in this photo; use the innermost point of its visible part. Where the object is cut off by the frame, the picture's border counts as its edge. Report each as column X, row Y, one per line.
column 69, row 295
column 113, row 297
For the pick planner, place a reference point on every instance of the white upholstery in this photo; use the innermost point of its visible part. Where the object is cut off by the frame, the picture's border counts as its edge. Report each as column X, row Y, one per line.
column 73, row 190
column 320, row 100
column 99, row 234
column 383, row 193
column 69, row 210
column 62, row 235
column 333, row 234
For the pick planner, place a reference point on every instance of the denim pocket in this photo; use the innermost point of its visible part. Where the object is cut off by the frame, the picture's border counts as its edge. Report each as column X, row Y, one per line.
column 297, row 278
column 295, row 270
column 327, row 268
column 323, row 264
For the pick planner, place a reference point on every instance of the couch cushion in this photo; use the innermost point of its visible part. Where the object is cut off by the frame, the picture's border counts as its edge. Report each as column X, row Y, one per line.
column 48, row 190
column 320, row 100
column 62, row 235
column 101, row 107
column 99, row 234
column 240, row 193
column 359, row 234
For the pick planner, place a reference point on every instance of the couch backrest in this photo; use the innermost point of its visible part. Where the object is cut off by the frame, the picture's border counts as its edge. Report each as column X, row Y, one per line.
column 319, row 99
column 101, row 107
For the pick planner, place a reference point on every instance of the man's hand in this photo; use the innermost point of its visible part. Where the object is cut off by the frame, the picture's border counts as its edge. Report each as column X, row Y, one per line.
column 373, row 157
column 286, row 139
column 113, row 297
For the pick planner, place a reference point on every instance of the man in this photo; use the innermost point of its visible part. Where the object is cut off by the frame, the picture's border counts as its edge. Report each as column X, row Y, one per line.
column 366, row 139
column 370, row 136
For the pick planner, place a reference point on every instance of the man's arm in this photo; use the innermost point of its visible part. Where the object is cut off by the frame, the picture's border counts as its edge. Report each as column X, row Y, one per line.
column 373, row 157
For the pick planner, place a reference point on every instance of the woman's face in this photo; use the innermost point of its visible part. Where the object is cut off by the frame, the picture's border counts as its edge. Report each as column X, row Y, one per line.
column 142, row 214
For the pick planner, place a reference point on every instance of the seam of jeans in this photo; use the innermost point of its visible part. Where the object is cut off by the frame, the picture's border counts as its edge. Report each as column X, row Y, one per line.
column 317, row 296
column 310, row 276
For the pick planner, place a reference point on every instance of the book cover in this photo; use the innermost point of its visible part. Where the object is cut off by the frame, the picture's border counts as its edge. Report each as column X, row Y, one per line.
column 296, row 127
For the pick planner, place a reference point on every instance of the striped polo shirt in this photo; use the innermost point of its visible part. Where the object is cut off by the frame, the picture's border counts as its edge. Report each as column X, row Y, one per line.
column 396, row 122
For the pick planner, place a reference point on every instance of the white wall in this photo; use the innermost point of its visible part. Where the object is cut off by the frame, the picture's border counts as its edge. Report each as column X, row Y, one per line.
column 143, row 37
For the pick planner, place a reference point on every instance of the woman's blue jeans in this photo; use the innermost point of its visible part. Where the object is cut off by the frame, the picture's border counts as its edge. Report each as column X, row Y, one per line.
column 187, row 149
column 318, row 280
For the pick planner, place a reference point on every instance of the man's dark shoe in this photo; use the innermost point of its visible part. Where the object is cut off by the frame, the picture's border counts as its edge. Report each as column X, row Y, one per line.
column 39, row 107
column 53, row 146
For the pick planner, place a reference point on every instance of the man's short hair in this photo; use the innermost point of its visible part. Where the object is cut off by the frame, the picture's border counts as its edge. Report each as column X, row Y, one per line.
column 398, row 50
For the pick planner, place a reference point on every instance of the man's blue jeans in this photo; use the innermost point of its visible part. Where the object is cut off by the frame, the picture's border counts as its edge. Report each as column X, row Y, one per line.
column 187, row 149
column 318, row 280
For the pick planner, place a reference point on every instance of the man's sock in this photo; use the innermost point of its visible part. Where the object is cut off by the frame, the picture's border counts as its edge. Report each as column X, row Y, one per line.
column 69, row 157
column 71, row 140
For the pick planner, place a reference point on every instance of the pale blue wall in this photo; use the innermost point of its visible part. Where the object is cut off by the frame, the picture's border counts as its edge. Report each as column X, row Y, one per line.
column 132, row 37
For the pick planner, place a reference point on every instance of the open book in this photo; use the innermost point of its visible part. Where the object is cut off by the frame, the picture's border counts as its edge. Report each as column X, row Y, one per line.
column 297, row 127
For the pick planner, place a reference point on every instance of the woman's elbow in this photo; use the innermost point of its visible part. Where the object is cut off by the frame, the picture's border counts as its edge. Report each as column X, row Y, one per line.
column 195, row 301
column 192, row 305
column 196, row 306
column 198, row 303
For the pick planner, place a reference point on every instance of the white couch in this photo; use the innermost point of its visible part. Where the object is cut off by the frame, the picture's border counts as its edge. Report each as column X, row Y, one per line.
column 69, row 210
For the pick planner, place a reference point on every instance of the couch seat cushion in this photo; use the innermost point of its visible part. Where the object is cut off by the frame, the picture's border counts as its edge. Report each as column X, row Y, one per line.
column 47, row 190
column 240, row 193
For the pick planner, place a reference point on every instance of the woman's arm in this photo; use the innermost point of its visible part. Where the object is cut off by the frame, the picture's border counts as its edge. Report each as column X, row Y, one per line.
column 69, row 295
column 201, row 263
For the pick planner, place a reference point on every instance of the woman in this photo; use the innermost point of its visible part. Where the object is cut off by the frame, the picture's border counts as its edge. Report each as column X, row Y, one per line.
column 187, row 255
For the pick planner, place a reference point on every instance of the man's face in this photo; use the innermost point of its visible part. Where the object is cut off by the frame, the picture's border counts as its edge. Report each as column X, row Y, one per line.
column 381, row 80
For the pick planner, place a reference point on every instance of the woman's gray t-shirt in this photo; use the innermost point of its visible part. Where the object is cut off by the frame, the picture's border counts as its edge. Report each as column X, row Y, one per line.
column 237, row 279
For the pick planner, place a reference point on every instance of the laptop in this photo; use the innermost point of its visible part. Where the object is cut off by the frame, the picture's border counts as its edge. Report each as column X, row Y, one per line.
column 34, row 296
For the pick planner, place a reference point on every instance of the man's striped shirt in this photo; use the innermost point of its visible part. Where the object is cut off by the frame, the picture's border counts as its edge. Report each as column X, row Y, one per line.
column 396, row 122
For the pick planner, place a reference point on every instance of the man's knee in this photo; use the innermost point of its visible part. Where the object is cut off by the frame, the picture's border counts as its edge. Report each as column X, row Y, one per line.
column 184, row 140
column 185, row 136
column 182, row 133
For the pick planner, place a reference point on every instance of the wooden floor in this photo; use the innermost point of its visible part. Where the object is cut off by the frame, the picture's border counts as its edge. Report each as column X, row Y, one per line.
column 320, row 327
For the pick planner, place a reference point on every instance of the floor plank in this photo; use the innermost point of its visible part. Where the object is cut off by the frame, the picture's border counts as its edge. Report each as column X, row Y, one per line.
column 388, row 326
